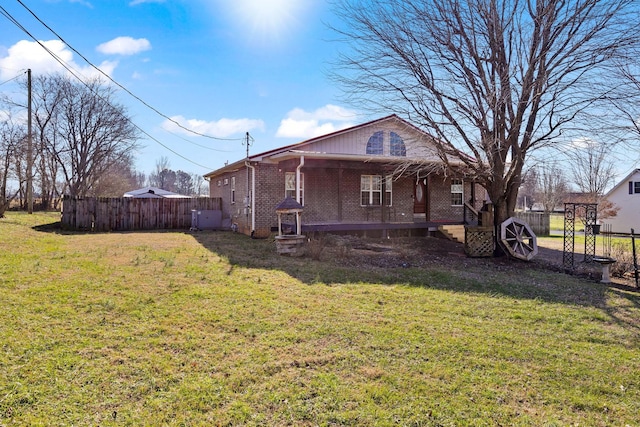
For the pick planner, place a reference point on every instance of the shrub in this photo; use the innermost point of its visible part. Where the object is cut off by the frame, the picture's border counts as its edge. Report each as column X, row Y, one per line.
column 622, row 253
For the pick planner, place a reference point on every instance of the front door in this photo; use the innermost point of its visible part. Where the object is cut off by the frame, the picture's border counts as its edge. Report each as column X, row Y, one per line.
column 420, row 197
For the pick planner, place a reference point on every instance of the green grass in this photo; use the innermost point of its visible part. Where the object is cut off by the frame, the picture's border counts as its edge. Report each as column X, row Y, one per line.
column 212, row 328
column 556, row 222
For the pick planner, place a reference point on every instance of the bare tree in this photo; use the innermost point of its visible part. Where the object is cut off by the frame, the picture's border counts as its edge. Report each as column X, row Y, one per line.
column 12, row 137
column 201, row 187
column 491, row 80
column 82, row 131
column 119, row 178
column 46, row 99
column 552, row 187
column 629, row 112
column 593, row 173
column 527, row 193
column 593, row 169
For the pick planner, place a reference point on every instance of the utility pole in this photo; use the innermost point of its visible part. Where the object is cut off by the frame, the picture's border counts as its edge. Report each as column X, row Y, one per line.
column 29, row 147
column 247, row 141
column 248, row 194
column 248, row 201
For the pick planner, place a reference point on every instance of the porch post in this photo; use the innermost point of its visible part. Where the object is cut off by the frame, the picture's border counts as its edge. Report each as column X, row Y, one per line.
column 298, row 198
column 383, row 208
column 340, row 171
column 427, row 197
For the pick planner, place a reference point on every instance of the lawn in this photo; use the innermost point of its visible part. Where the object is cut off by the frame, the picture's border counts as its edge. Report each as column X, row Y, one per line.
column 214, row 328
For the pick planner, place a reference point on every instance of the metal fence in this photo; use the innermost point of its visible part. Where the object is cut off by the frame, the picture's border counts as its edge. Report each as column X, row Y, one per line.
column 127, row 213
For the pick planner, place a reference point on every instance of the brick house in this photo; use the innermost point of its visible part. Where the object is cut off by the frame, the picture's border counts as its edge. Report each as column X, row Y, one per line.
column 381, row 176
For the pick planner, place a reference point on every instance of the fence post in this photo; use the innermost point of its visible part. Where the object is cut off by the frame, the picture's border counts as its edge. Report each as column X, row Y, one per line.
column 635, row 259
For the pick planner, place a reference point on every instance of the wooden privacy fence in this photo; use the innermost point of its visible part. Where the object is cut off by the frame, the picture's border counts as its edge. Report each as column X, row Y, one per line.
column 539, row 222
column 128, row 213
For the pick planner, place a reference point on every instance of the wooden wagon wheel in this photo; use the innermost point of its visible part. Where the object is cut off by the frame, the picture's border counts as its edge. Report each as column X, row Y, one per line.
column 518, row 238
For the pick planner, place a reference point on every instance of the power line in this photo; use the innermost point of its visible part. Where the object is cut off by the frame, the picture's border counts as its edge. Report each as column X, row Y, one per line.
column 121, row 86
column 73, row 73
column 13, row 78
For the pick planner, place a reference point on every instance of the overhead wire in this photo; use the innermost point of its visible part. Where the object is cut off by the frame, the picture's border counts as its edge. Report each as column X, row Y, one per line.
column 75, row 73
column 121, row 86
column 13, row 78
column 82, row 80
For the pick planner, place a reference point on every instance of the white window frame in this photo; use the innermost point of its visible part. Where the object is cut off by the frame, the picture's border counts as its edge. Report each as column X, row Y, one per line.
column 233, row 190
column 290, row 186
column 457, row 187
column 372, row 185
column 388, row 189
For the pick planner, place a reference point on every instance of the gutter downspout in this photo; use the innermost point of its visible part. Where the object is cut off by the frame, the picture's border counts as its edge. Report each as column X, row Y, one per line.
column 298, row 198
column 298, row 179
column 252, row 196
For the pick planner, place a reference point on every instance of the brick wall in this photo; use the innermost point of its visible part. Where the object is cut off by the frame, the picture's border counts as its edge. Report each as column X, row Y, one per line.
column 440, row 199
column 269, row 193
column 233, row 212
column 323, row 186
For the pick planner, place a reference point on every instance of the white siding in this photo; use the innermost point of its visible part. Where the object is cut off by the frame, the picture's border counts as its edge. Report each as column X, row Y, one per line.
column 628, row 216
column 355, row 142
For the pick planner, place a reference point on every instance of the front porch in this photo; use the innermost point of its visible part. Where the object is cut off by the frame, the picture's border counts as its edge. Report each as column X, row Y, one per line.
column 377, row 229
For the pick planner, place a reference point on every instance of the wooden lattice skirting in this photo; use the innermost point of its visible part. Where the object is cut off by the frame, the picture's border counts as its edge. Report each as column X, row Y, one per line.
column 479, row 241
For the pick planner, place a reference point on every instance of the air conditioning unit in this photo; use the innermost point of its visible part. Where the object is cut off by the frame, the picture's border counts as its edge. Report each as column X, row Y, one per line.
column 205, row 219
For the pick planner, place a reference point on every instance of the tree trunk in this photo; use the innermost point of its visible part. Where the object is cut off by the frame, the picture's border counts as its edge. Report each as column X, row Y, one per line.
column 504, row 203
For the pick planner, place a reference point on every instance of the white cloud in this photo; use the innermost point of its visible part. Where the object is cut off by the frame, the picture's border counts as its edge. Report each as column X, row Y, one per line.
column 583, row 142
column 26, row 54
column 124, row 46
column 83, row 3
column 222, row 128
column 137, row 2
column 324, row 120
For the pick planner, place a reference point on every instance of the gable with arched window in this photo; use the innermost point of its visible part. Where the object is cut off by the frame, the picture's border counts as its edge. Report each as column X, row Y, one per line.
column 396, row 145
column 375, row 145
column 377, row 142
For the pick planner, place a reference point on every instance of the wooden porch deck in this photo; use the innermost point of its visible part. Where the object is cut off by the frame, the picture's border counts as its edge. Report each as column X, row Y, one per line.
column 382, row 227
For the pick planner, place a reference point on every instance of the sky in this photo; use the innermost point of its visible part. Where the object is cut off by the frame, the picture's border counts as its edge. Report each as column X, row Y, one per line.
column 218, row 67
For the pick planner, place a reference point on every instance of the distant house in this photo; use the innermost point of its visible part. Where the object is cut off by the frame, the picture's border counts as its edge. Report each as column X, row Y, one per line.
column 153, row 193
column 383, row 175
column 626, row 196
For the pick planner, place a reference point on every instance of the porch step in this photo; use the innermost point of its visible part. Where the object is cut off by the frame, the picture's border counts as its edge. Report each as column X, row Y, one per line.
column 453, row 232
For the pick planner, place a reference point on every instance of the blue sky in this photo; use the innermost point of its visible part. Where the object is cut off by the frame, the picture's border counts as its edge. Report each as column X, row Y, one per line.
column 219, row 67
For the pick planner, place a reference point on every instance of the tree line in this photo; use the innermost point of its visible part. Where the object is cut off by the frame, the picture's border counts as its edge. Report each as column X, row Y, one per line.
column 83, row 145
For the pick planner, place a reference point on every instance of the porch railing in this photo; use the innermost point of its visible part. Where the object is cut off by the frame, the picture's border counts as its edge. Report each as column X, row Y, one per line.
column 470, row 214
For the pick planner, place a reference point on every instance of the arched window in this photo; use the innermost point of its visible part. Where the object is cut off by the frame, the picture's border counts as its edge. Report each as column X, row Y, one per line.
column 375, row 145
column 397, row 147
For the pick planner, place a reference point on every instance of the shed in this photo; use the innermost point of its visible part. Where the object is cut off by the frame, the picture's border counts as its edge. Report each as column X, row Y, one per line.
column 154, row 193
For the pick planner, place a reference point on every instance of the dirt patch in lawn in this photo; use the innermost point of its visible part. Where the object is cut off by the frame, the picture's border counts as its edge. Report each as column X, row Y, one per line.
column 440, row 252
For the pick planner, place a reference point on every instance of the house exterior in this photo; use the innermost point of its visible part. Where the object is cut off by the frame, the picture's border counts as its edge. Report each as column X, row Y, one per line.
column 383, row 175
column 626, row 196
